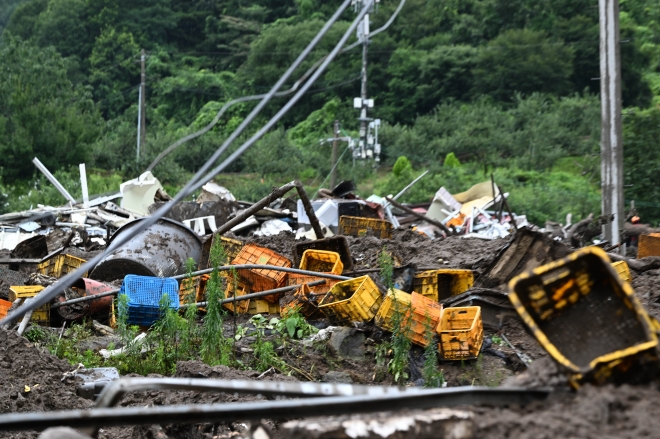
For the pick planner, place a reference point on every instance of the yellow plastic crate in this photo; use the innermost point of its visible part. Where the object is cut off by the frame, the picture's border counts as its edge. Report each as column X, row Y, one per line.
column 322, row 262
column 231, row 246
column 40, row 316
column 425, row 314
column 260, row 306
column 193, row 285
column 355, row 300
column 461, row 333
column 242, row 306
column 622, row 269
column 649, row 245
column 59, row 265
column 356, row 226
column 441, row 284
column 584, row 314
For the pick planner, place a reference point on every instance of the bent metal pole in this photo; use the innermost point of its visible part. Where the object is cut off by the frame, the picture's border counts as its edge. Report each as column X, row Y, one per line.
column 209, row 270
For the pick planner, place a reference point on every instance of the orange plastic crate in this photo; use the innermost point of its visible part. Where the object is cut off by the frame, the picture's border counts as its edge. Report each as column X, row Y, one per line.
column 4, row 307
column 261, row 279
column 301, row 279
column 426, row 314
column 649, row 245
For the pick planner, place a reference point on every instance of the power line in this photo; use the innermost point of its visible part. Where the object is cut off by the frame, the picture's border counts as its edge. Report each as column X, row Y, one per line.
column 198, row 179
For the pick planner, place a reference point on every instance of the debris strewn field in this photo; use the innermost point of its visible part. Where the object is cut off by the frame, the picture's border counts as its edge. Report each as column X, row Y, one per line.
column 360, row 314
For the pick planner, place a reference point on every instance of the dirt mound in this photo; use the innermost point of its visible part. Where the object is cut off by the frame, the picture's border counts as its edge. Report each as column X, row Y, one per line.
column 22, row 364
column 407, row 246
column 592, row 412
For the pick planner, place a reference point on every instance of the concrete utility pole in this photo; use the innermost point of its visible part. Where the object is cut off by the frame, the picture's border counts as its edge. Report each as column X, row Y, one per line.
column 611, row 145
column 142, row 116
column 363, row 89
column 363, row 103
column 335, row 147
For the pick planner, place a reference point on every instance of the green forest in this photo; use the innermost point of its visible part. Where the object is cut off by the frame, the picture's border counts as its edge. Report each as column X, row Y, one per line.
column 465, row 89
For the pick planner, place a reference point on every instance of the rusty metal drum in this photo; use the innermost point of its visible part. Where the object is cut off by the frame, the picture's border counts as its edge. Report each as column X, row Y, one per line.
column 161, row 251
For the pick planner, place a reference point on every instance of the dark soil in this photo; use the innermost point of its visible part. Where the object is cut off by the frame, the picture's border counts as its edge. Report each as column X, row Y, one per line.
column 590, row 413
column 21, row 365
column 606, row 411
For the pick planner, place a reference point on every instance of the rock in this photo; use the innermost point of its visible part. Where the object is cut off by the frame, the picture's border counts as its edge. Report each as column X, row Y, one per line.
column 62, row 433
column 335, row 376
column 96, row 343
column 428, row 424
column 347, row 343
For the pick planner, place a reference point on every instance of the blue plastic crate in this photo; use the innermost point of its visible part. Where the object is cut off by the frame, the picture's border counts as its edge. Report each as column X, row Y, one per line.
column 142, row 315
column 144, row 295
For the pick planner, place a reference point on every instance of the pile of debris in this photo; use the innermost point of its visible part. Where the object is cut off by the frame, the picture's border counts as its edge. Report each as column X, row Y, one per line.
column 523, row 314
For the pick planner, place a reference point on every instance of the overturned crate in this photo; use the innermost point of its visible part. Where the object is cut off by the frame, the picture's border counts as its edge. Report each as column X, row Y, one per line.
column 319, row 261
column 240, row 307
column 357, row 226
column 622, row 269
column 59, row 265
column 231, row 248
column 41, row 315
column 305, row 301
column 461, row 333
column 584, row 315
column 260, row 306
column 196, row 286
column 418, row 313
column 355, row 300
column 261, row 279
column 144, row 297
column 648, row 245
column 442, row 284
column 4, row 308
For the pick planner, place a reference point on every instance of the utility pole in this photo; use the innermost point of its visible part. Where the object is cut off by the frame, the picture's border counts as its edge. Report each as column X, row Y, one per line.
column 363, row 88
column 363, row 103
column 335, row 147
column 142, row 117
column 611, row 145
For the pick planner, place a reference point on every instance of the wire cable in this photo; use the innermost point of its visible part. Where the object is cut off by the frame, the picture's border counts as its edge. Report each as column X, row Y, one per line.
column 233, row 102
column 54, row 290
column 331, row 56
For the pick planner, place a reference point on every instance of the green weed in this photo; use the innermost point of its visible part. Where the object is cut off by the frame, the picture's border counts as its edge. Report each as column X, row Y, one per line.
column 432, row 376
column 215, row 348
column 294, row 324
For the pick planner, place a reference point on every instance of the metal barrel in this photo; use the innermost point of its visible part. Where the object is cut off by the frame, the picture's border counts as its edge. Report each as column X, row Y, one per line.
column 161, row 250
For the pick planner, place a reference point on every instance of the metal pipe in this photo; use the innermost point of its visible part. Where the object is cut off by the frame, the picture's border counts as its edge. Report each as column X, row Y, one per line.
column 209, row 270
column 287, row 409
column 26, row 319
column 115, row 390
column 256, row 295
column 40, row 166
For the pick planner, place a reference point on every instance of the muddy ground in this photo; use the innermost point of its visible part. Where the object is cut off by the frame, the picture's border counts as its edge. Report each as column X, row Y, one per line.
column 608, row 411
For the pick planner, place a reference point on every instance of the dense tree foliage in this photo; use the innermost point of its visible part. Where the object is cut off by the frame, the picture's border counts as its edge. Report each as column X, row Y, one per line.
column 508, row 87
